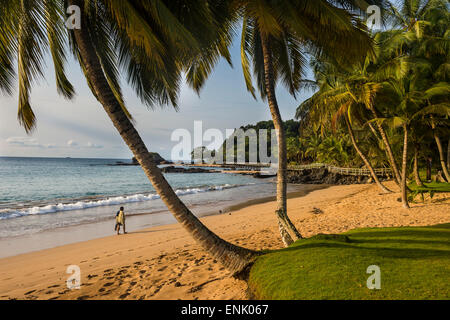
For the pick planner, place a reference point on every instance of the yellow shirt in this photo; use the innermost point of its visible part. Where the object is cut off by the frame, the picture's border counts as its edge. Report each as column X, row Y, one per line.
column 120, row 218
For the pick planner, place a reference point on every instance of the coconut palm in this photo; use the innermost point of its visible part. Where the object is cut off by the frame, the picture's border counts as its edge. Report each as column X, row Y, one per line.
column 421, row 33
column 275, row 38
column 448, row 154
column 410, row 108
column 341, row 94
column 152, row 42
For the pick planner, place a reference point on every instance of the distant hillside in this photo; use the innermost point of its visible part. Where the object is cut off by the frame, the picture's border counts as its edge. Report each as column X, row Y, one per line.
column 291, row 128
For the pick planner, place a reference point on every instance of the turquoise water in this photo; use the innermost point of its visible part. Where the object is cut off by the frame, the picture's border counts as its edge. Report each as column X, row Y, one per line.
column 37, row 194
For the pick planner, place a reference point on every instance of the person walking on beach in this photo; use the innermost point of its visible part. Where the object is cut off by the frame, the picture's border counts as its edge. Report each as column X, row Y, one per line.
column 120, row 220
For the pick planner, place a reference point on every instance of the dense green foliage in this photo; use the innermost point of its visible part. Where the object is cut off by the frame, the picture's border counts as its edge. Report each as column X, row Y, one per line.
column 402, row 90
column 241, row 146
column 414, row 264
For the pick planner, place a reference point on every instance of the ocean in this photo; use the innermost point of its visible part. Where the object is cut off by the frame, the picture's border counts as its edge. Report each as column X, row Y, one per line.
column 44, row 194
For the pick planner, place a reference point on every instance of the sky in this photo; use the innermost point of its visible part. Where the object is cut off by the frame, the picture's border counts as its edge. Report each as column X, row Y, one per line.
column 80, row 127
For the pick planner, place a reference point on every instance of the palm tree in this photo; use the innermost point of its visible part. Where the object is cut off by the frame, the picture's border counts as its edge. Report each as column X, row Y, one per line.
column 153, row 42
column 448, row 154
column 421, row 33
column 275, row 37
column 424, row 37
column 341, row 94
column 409, row 109
column 416, row 166
column 440, row 149
column 419, row 135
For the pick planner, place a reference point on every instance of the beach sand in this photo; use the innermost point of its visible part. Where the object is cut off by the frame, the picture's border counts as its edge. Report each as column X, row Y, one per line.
column 165, row 263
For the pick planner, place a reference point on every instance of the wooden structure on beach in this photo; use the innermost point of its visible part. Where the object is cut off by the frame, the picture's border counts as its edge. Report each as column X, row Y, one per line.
column 384, row 172
column 258, row 167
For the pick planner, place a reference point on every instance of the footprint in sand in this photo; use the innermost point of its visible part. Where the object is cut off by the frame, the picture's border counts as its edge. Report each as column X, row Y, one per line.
column 123, row 296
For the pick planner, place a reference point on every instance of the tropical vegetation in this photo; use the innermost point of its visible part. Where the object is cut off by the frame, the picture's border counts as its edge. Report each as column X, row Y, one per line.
column 397, row 97
column 377, row 94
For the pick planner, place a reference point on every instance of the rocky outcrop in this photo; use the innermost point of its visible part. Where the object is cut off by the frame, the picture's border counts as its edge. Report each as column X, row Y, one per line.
column 323, row 176
column 172, row 169
column 156, row 157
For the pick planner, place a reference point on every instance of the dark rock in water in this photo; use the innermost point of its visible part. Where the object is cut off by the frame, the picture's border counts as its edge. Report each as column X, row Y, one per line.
column 263, row 176
column 173, row 169
column 323, row 176
column 156, row 158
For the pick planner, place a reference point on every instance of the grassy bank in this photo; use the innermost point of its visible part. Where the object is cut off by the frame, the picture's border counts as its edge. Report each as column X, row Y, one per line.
column 414, row 263
column 431, row 186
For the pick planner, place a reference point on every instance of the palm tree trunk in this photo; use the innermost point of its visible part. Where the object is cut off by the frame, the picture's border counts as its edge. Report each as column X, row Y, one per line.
column 281, row 211
column 448, row 155
column 416, row 166
column 404, row 160
column 441, row 151
column 374, row 131
column 387, row 145
column 363, row 157
column 234, row 258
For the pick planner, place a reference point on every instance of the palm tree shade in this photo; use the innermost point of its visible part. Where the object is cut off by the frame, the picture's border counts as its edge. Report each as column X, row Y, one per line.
column 154, row 42
column 276, row 35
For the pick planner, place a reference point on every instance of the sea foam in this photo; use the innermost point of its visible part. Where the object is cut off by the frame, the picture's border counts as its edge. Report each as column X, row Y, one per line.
column 110, row 201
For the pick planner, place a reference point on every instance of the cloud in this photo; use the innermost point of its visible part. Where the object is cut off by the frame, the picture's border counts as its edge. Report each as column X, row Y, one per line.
column 27, row 142
column 72, row 144
column 91, row 145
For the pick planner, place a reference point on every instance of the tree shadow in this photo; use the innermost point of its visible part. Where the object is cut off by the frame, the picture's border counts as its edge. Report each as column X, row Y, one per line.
column 403, row 243
column 384, row 252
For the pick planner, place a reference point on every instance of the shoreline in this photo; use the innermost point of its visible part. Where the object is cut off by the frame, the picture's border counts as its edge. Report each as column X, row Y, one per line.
column 86, row 231
column 165, row 263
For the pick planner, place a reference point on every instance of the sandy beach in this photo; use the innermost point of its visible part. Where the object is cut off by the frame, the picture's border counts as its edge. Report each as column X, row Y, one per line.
column 165, row 263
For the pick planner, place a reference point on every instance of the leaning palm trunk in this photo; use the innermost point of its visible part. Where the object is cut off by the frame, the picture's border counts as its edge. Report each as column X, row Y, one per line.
column 234, row 258
column 389, row 152
column 287, row 229
column 374, row 131
column 404, row 160
column 448, row 155
column 364, row 158
column 441, row 151
column 416, row 166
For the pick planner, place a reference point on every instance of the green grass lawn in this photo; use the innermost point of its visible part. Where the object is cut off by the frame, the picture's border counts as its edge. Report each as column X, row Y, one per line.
column 414, row 264
column 432, row 186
